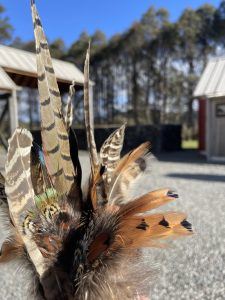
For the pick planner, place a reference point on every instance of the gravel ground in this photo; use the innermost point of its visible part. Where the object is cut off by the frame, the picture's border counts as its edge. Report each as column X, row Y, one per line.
column 192, row 268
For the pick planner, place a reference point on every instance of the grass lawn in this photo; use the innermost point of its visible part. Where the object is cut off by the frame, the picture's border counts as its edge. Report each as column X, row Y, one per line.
column 190, row 144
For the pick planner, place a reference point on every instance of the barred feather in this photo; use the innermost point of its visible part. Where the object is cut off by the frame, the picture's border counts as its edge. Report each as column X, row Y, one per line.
column 54, row 133
column 110, row 152
column 19, row 190
column 124, row 166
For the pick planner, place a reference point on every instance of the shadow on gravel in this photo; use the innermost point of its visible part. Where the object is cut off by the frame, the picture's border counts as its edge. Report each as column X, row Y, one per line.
column 184, row 156
column 205, row 177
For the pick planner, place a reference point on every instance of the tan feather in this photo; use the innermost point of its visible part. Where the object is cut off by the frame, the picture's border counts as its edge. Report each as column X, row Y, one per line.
column 54, row 133
column 88, row 122
column 142, row 231
column 110, row 152
column 19, row 189
column 147, row 202
column 124, row 164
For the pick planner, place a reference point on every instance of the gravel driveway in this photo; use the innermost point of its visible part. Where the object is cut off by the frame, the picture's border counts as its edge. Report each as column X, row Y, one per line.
column 192, row 268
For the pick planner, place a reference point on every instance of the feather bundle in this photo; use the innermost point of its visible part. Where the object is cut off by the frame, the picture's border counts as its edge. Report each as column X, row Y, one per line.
column 82, row 245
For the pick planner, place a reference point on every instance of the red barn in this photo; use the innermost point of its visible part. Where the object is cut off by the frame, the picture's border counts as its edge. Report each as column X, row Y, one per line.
column 210, row 92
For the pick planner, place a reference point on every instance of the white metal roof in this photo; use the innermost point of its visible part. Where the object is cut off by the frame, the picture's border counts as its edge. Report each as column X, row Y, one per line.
column 24, row 61
column 212, row 81
column 6, row 83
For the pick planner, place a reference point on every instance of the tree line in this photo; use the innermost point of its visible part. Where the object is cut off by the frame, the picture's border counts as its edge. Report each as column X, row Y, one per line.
column 147, row 74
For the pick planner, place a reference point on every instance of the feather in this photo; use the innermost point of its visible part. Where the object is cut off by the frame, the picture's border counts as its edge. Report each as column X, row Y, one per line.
column 88, row 122
column 138, row 230
column 125, row 164
column 147, row 202
column 141, row 231
column 69, row 107
column 19, row 189
column 110, row 152
column 11, row 249
column 41, row 180
column 75, row 196
column 54, row 133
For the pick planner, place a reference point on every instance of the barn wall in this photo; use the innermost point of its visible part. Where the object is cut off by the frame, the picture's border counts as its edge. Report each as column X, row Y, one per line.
column 216, row 129
column 202, row 124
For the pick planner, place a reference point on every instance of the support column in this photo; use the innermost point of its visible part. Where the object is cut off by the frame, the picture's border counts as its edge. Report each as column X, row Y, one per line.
column 13, row 112
column 91, row 104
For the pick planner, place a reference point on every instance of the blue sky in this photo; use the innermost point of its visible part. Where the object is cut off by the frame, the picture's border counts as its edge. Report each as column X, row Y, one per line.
column 68, row 18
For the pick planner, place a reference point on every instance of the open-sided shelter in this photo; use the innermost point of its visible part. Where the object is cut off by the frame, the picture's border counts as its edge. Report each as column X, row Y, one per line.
column 18, row 69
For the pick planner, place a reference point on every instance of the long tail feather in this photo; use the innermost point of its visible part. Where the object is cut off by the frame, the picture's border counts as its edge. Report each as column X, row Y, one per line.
column 54, row 133
column 88, row 122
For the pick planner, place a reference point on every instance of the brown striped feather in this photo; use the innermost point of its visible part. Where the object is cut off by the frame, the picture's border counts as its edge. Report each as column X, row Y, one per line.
column 125, row 164
column 110, row 152
column 19, row 189
column 54, row 133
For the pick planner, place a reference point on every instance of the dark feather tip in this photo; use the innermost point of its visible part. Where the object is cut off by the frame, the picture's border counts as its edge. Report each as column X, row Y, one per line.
column 142, row 164
column 172, row 194
column 164, row 223
column 187, row 225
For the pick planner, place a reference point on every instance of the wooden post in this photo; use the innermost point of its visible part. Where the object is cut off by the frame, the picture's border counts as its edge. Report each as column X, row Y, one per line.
column 91, row 103
column 13, row 112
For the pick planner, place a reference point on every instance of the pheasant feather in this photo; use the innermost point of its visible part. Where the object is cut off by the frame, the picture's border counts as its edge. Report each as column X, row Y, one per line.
column 88, row 121
column 110, row 152
column 54, row 132
column 19, row 189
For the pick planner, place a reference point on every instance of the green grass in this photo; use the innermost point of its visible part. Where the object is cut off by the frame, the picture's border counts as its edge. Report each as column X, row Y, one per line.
column 190, row 144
